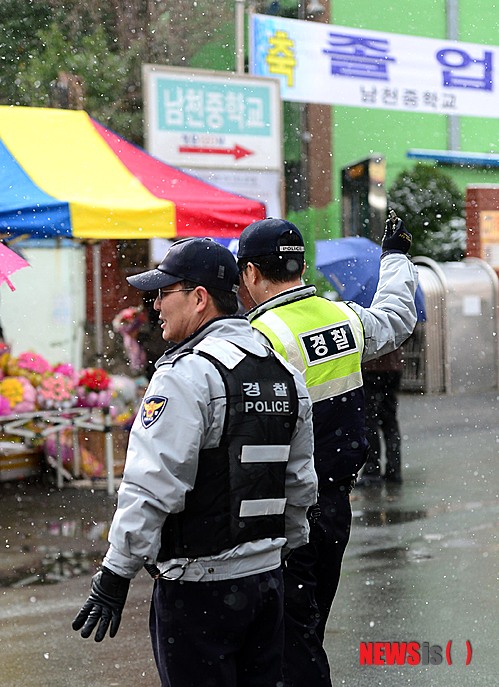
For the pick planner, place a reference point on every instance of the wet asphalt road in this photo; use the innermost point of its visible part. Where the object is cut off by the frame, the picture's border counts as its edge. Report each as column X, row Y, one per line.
column 421, row 566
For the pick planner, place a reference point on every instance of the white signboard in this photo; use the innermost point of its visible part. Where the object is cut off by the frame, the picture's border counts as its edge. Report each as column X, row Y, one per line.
column 197, row 118
column 261, row 185
column 337, row 65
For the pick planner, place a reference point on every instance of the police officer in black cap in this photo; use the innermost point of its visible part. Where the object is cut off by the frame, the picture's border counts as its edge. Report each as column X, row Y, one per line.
column 217, row 482
column 327, row 342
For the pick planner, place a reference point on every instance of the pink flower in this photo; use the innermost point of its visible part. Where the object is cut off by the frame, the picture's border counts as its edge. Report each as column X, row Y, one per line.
column 33, row 362
column 29, row 365
column 63, row 445
column 67, row 370
column 4, row 406
column 57, row 392
column 93, row 399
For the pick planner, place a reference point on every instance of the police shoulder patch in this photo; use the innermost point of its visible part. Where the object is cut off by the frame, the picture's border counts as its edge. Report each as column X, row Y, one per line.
column 152, row 407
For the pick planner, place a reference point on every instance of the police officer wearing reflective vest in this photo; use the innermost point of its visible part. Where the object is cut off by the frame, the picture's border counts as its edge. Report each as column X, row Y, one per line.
column 217, row 483
column 326, row 341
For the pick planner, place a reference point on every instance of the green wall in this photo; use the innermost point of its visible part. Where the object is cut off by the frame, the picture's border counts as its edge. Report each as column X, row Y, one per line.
column 359, row 132
column 411, row 17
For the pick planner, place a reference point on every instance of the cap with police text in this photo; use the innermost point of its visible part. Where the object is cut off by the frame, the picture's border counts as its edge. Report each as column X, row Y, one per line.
column 270, row 237
column 202, row 261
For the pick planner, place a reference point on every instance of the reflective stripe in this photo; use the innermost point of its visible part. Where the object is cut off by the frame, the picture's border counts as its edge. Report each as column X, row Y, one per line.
column 265, row 454
column 215, row 568
column 262, row 507
column 356, row 322
column 335, row 387
column 287, row 339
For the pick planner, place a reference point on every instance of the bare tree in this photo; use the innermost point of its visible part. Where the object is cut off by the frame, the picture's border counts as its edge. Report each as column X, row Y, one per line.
column 171, row 31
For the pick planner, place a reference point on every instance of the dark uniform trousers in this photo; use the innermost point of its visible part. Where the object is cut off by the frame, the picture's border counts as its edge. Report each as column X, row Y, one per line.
column 311, row 577
column 219, row 634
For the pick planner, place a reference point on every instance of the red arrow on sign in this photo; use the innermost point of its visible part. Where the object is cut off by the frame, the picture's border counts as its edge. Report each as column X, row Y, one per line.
column 237, row 151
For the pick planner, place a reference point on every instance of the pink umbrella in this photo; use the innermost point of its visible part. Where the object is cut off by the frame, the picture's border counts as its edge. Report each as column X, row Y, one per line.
column 10, row 262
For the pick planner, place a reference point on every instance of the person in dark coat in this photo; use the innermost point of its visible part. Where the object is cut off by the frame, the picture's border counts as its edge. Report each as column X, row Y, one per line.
column 382, row 377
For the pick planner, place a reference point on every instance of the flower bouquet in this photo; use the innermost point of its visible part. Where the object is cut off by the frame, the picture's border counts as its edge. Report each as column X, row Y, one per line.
column 67, row 370
column 128, row 323
column 30, row 365
column 94, row 388
column 17, row 395
column 56, row 393
column 60, row 447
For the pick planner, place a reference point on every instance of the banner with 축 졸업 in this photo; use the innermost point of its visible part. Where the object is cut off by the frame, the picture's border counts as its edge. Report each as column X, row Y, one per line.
column 337, row 65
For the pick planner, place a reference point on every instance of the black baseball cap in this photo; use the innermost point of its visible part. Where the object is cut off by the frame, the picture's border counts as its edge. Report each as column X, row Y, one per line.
column 270, row 237
column 202, row 261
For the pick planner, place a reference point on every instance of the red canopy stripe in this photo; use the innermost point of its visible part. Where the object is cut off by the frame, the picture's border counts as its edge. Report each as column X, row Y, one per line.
column 202, row 209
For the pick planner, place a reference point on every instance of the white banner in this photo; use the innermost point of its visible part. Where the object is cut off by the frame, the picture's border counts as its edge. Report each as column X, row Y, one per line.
column 336, row 65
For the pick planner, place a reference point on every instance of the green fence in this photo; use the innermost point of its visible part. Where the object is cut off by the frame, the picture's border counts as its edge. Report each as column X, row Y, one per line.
column 316, row 224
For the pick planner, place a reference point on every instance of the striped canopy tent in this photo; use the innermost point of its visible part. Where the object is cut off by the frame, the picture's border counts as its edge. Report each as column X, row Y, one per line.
column 65, row 175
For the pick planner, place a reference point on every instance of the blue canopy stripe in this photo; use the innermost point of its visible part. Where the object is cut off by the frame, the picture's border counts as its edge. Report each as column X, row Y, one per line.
column 24, row 207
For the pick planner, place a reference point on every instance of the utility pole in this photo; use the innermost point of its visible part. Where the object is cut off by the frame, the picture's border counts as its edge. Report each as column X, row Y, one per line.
column 239, row 19
column 304, row 134
column 319, row 121
column 315, row 129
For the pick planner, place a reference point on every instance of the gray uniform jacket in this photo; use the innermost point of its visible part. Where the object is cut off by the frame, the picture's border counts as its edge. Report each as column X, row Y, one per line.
column 162, row 459
column 390, row 319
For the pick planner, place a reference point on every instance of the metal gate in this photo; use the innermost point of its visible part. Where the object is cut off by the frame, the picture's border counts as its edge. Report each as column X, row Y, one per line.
column 455, row 350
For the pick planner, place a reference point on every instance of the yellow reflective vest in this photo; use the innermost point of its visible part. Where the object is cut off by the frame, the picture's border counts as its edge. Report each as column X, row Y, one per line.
column 323, row 339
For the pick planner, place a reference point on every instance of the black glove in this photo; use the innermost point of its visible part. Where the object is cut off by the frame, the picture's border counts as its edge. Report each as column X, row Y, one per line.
column 314, row 513
column 105, row 604
column 396, row 238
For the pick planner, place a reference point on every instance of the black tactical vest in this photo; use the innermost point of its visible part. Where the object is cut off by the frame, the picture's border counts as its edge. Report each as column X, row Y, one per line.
column 239, row 491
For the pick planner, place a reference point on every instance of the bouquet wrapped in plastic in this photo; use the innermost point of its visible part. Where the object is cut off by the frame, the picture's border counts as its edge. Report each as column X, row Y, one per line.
column 94, row 388
column 56, row 393
column 17, row 395
column 30, row 365
column 128, row 323
column 67, row 370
